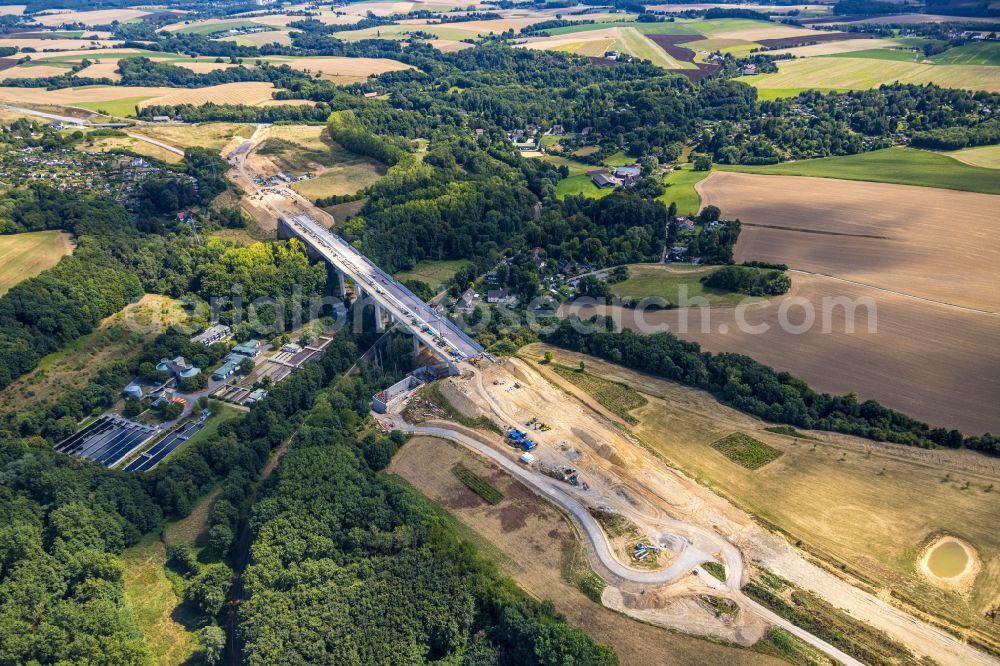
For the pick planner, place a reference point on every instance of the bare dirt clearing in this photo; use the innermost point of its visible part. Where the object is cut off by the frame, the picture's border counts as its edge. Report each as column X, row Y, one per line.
column 932, row 243
column 536, row 543
column 205, row 135
column 866, row 505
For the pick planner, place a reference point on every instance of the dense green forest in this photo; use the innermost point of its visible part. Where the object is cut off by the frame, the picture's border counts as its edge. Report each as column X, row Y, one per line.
column 335, row 539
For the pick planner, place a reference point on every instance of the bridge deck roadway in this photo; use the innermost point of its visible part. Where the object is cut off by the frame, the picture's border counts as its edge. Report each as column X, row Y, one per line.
column 404, row 306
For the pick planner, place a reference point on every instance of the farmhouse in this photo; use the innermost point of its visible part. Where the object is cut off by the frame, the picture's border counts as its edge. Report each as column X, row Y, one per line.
column 750, row 70
column 628, row 174
column 602, row 178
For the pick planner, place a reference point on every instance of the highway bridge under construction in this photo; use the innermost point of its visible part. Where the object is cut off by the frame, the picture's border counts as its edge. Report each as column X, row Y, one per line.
column 439, row 334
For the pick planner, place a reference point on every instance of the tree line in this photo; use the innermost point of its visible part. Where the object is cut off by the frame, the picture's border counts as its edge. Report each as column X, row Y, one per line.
column 334, row 539
column 752, row 387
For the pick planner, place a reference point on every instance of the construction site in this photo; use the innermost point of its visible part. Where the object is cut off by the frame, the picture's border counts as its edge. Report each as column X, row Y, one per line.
column 671, row 552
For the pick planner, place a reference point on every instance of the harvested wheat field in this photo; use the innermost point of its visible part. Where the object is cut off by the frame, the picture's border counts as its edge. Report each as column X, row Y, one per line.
column 926, row 242
column 228, row 93
column 933, row 362
column 334, row 66
column 202, row 67
column 25, row 255
column 33, row 72
column 533, row 543
column 870, row 506
column 231, row 93
column 449, row 45
column 67, row 44
column 95, row 17
column 105, row 69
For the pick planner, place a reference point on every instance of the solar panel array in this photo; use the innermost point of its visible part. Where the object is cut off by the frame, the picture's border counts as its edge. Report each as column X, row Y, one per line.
column 151, row 458
column 108, row 440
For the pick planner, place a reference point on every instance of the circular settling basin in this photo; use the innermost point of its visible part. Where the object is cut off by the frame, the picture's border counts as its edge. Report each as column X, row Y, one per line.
column 950, row 563
column 947, row 559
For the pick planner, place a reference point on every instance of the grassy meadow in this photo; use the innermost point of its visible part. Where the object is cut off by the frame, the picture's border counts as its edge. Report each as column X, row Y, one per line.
column 680, row 190
column 668, row 281
column 433, row 273
column 902, row 166
column 25, row 255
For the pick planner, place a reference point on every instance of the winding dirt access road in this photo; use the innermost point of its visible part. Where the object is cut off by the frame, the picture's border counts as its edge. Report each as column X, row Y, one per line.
column 166, row 146
column 598, row 541
column 692, row 523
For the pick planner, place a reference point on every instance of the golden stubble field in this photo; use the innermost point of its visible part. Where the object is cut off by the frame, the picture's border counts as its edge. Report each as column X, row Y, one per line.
column 925, row 260
column 533, row 542
column 932, row 362
column 932, row 243
column 228, row 93
column 867, row 505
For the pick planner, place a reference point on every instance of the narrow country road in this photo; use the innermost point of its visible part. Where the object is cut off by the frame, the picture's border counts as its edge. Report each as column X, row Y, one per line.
column 159, row 144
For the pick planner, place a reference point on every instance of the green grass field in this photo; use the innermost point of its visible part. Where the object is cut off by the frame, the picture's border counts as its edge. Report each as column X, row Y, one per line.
column 671, row 282
column 899, row 55
column 985, row 53
column 862, row 73
column 581, row 184
column 746, row 451
column 903, row 166
column 25, row 255
column 117, row 108
column 433, row 273
column 680, row 189
column 156, row 604
column 617, row 398
column 723, row 45
column 575, row 168
column 771, row 94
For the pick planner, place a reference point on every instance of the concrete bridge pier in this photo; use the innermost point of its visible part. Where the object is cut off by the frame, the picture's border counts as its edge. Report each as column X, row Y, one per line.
column 416, row 346
column 341, row 285
column 379, row 318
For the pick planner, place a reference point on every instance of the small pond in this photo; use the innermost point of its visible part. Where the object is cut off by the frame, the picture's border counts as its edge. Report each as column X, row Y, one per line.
column 947, row 559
